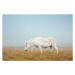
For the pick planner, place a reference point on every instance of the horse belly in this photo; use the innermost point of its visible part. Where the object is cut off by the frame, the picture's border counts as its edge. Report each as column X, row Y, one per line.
column 45, row 45
column 36, row 45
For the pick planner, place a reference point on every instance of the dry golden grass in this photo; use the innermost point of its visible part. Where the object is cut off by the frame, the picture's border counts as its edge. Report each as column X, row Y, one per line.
column 19, row 54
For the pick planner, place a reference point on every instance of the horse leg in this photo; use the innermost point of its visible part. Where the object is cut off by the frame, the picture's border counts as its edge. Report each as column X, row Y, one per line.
column 40, row 49
column 31, row 49
column 51, row 49
column 56, row 47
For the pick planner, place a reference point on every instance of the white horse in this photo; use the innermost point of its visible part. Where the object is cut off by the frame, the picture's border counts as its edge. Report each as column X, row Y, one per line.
column 40, row 43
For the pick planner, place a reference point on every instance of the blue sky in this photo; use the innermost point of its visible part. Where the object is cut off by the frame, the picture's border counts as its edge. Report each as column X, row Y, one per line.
column 17, row 29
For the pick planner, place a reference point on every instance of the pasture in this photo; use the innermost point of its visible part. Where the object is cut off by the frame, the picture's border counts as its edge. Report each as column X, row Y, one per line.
column 19, row 54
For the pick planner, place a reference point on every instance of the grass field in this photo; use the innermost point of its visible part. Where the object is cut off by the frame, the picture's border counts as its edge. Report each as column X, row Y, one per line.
column 19, row 54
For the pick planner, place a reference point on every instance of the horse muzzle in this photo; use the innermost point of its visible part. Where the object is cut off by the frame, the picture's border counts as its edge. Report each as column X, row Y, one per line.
column 25, row 50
